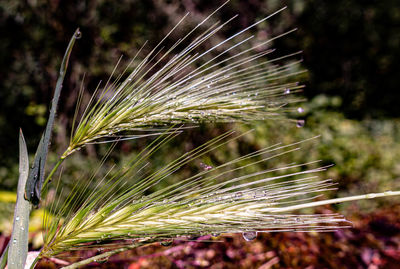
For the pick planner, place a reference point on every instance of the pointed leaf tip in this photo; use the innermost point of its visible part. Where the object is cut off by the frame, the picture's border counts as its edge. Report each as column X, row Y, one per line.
column 19, row 238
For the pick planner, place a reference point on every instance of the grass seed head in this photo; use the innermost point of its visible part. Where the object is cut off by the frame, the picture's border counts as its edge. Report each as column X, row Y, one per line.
column 231, row 81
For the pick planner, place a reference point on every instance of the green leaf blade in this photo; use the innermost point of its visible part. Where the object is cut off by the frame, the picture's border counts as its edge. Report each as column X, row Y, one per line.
column 18, row 247
column 36, row 176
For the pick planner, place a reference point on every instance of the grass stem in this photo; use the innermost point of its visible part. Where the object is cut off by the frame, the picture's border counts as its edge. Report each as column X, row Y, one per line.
column 106, row 255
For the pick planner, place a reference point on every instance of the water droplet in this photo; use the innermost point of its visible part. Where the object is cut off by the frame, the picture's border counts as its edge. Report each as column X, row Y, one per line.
column 15, row 241
column 102, row 260
column 22, row 228
column 287, row 91
column 208, row 86
column 98, row 241
column 388, row 192
column 166, row 242
column 248, row 236
column 17, row 218
column 298, row 219
column 205, row 167
column 78, row 35
column 300, row 110
column 215, row 234
column 300, row 123
column 129, row 79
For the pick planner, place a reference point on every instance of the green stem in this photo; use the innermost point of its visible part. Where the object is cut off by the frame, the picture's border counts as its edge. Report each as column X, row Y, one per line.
column 106, row 255
column 34, row 262
column 48, row 179
column 4, row 256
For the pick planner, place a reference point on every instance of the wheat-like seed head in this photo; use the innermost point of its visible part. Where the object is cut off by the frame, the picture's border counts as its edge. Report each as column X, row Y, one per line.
column 169, row 87
column 211, row 202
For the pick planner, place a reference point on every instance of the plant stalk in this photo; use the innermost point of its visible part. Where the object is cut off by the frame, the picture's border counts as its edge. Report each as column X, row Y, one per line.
column 3, row 261
column 336, row 200
column 48, row 178
column 107, row 254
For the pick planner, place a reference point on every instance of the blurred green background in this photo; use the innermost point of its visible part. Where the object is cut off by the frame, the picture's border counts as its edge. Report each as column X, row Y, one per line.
column 350, row 49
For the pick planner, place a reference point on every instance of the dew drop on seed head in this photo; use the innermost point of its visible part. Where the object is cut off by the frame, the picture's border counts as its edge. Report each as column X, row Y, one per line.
column 78, row 35
column 102, row 260
column 300, row 123
column 205, row 167
column 248, row 236
column 300, row 110
column 166, row 242
column 287, row 91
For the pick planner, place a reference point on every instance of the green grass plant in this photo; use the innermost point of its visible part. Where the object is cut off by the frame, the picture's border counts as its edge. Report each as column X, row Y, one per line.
column 167, row 91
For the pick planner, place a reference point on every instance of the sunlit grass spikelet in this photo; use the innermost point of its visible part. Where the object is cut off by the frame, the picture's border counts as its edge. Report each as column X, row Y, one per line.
column 208, row 203
column 191, row 86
